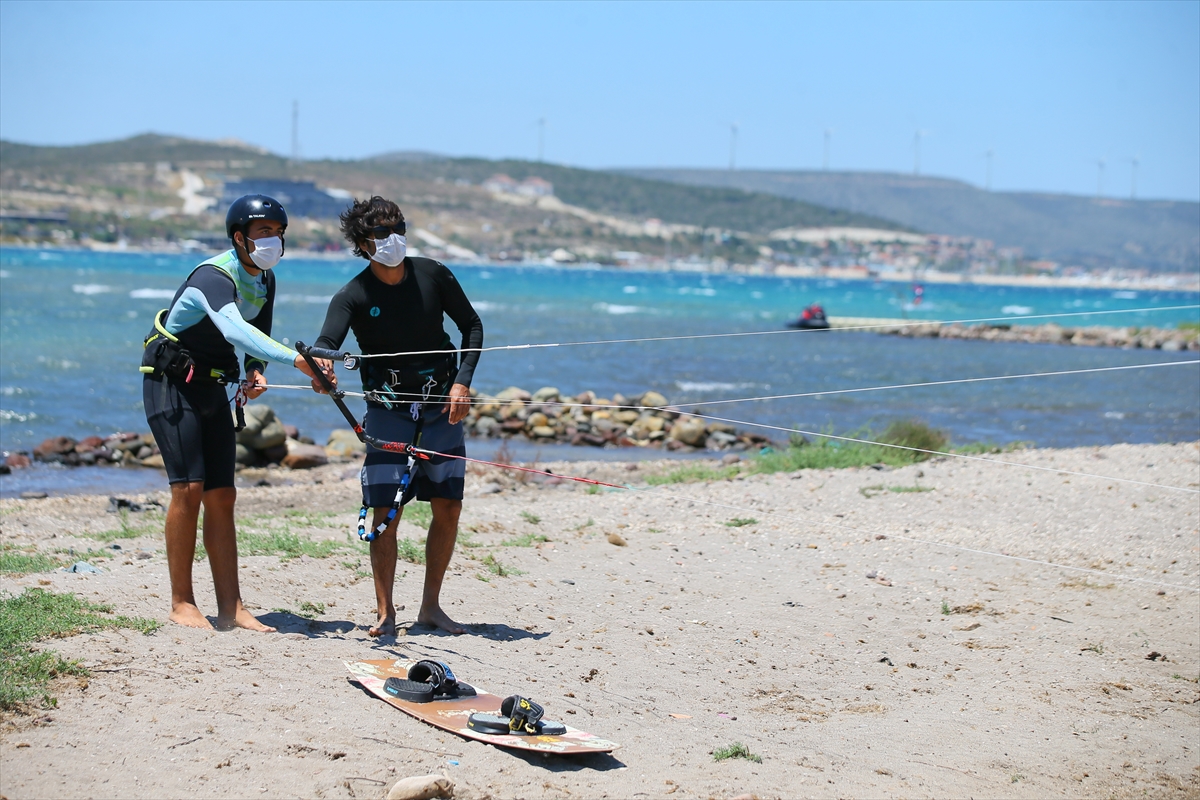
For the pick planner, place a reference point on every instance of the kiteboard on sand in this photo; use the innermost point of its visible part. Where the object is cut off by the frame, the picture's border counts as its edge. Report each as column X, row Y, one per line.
column 452, row 714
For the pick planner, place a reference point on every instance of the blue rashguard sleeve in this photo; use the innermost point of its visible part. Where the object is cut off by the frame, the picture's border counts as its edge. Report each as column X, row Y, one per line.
column 193, row 304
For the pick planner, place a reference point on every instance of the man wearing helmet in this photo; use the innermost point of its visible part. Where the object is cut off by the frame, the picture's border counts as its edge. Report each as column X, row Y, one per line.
column 188, row 361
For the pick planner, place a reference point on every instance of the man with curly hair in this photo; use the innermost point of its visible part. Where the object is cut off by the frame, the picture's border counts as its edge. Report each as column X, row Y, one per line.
column 396, row 305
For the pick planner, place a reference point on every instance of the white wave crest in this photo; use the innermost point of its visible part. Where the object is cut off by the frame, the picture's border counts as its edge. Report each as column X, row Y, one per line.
column 486, row 305
column 630, row 290
column 1017, row 311
column 14, row 416
column 90, row 288
column 710, row 386
column 705, row 291
column 610, row 308
column 1125, row 295
column 5, row 273
column 152, row 294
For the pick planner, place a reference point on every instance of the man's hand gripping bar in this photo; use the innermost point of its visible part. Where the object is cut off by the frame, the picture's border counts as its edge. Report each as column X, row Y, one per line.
column 311, row 353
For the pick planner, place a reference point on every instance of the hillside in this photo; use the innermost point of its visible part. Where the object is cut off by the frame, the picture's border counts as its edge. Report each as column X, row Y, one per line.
column 609, row 193
column 1159, row 235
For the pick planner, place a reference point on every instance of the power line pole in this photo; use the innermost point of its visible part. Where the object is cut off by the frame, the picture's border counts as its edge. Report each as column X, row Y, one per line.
column 1100, row 176
column 825, row 160
column 733, row 132
column 1133, row 177
column 917, row 151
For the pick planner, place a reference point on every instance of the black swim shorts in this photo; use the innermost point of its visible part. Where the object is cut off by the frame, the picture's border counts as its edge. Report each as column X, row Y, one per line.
column 193, row 428
column 437, row 477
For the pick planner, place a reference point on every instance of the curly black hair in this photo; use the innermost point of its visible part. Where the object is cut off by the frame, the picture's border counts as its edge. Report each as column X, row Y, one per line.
column 358, row 219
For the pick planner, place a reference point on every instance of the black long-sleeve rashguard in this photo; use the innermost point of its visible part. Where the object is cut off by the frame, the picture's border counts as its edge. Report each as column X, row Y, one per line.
column 405, row 317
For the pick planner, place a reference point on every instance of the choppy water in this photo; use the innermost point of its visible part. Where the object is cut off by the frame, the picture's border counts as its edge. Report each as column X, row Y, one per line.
column 71, row 325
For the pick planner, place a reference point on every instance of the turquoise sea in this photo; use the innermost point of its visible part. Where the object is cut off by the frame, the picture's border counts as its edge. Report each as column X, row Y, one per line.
column 71, row 325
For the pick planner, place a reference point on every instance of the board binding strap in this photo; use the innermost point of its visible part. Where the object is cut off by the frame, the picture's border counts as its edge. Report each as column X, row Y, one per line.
column 469, row 711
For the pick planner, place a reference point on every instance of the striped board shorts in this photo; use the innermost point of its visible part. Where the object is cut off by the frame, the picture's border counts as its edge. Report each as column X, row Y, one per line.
column 437, row 477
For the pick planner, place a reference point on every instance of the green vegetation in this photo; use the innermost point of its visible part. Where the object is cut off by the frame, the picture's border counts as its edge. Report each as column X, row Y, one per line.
column 879, row 488
column 15, row 561
column 1190, row 327
column 151, row 524
column 283, row 543
column 738, row 522
column 693, row 473
column 532, row 519
column 945, row 609
column 735, row 750
column 418, row 513
column 497, row 568
column 310, row 610
column 524, row 540
column 410, row 551
column 37, row 615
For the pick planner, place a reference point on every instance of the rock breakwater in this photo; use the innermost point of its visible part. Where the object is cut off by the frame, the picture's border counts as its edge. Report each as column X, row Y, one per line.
column 1092, row 336
column 644, row 420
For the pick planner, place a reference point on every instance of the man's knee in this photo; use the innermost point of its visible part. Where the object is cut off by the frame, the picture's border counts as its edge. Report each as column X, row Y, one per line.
column 445, row 510
column 218, row 499
column 188, row 494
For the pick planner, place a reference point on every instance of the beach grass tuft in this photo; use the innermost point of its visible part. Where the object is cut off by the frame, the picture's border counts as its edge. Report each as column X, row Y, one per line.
column 739, row 522
column 532, row 519
column 37, row 615
column 418, row 513
column 310, row 610
column 16, row 561
column 735, row 750
column 693, row 473
column 410, row 551
column 283, row 543
column 525, row 540
column 495, row 567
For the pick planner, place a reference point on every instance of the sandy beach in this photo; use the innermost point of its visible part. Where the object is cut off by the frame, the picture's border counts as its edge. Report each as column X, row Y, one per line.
column 675, row 620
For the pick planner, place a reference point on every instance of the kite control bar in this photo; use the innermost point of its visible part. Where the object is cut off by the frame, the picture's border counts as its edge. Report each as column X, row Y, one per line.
column 309, row 354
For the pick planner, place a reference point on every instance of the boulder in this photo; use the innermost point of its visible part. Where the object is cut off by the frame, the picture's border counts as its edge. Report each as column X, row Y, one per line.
column 626, row 417
column 691, row 432
column 58, row 446
column 17, row 461
column 514, row 393
column 487, row 426
column 724, row 427
column 543, row 432
column 619, row 399
column 343, row 443
column 421, row 787
column 89, row 444
column 653, row 400
column 244, row 455
column 263, row 429
column 274, row 454
column 719, row 440
column 537, row 420
column 292, row 431
column 155, row 461
column 514, row 409
column 546, row 394
column 304, row 456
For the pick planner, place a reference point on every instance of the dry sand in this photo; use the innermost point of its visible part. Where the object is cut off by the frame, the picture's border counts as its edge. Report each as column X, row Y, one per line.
column 694, row 635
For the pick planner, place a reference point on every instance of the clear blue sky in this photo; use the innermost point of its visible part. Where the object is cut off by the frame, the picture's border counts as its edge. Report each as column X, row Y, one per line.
column 1050, row 87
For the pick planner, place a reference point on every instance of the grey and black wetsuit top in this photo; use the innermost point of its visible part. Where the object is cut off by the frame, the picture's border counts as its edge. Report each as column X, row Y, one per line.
column 221, row 306
column 405, row 317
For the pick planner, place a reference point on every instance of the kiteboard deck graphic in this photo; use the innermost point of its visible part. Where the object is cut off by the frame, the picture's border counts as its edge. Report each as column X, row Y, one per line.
column 451, row 715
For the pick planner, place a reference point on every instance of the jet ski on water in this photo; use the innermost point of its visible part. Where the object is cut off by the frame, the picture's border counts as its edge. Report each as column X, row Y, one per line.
column 811, row 318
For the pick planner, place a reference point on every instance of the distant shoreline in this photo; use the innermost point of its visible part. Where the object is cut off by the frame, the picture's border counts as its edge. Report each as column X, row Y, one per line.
column 1173, row 282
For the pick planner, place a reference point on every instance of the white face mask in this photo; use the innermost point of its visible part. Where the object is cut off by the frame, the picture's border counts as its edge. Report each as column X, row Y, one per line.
column 267, row 252
column 390, row 251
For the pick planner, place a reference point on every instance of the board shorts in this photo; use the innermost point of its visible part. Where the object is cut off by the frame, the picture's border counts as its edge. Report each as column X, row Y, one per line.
column 438, row 477
column 193, row 428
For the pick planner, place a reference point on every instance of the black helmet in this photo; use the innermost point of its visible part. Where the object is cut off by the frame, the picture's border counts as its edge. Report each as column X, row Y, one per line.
column 251, row 207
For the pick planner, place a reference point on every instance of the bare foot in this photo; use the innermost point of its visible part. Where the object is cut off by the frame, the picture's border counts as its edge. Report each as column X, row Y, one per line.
column 187, row 614
column 243, row 619
column 385, row 627
column 437, row 618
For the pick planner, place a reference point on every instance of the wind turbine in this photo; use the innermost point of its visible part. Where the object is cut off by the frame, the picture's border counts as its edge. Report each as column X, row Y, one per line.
column 733, row 132
column 1134, row 161
column 825, row 160
column 917, row 150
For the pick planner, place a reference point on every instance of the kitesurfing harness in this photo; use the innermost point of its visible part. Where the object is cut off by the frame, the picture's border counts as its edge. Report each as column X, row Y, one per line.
column 163, row 356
